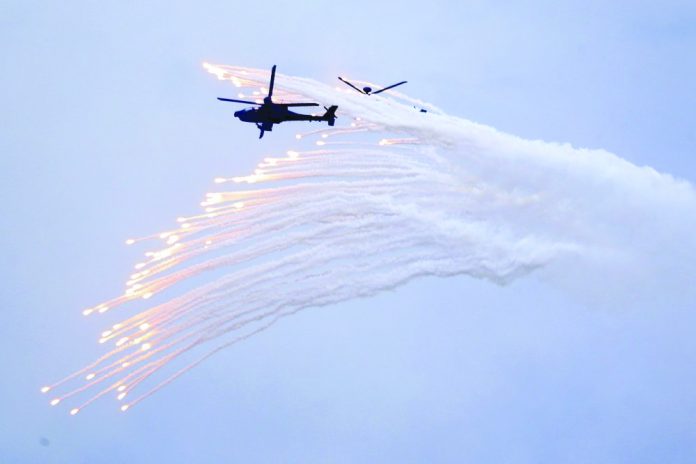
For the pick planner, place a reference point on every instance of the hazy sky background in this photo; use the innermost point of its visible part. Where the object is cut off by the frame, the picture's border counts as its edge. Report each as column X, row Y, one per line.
column 110, row 129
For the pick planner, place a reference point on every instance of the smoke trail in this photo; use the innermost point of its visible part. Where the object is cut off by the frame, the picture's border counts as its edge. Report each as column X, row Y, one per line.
column 391, row 195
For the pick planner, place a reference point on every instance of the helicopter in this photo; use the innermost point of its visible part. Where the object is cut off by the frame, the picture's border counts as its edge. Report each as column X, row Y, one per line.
column 369, row 91
column 268, row 113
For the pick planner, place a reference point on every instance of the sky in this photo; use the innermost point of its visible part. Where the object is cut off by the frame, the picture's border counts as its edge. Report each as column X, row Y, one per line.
column 110, row 129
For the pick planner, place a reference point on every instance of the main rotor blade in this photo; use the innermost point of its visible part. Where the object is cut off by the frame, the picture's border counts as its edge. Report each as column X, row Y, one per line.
column 270, row 87
column 238, row 101
column 298, row 104
column 348, row 83
column 390, row 87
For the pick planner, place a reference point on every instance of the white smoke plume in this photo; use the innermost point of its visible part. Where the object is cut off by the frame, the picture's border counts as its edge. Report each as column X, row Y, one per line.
column 388, row 194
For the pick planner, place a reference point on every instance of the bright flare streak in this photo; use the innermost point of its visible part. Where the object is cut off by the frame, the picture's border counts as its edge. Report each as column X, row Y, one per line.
column 55, row 401
column 45, row 389
column 74, row 411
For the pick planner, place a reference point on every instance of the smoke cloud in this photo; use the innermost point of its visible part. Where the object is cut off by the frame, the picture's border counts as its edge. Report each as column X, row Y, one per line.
column 389, row 194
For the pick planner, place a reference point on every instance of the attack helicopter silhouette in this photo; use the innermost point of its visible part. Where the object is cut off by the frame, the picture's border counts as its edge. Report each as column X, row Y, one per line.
column 269, row 113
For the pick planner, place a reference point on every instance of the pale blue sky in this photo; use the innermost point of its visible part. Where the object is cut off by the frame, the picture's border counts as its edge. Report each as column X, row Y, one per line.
column 110, row 129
